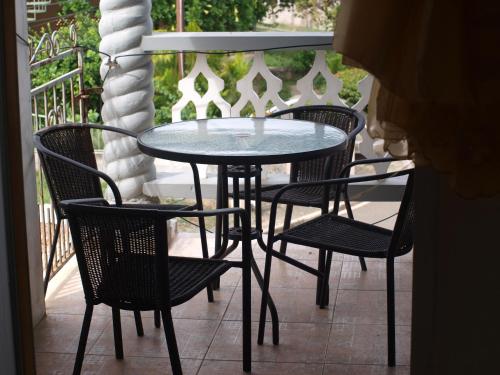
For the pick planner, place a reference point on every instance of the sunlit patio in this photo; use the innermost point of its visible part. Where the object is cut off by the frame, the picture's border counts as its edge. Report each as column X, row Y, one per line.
column 347, row 337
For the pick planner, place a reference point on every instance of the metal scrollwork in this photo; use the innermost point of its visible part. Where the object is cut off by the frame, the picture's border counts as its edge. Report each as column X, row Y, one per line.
column 56, row 116
column 52, row 44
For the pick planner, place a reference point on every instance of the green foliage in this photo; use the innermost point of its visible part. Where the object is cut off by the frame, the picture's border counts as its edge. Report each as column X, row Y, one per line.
column 88, row 36
column 323, row 13
column 75, row 6
column 351, row 77
column 230, row 68
column 201, row 15
column 212, row 15
column 295, row 62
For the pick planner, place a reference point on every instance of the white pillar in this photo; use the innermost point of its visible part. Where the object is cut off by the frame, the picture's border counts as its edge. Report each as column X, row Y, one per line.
column 128, row 92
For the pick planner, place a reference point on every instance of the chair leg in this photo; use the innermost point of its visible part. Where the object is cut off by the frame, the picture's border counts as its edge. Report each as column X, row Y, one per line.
column 173, row 351
column 265, row 296
column 319, row 283
column 83, row 340
column 391, row 313
column 157, row 317
column 326, row 278
column 286, row 225
column 138, row 323
column 117, row 332
column 204, row 250
column 350, row 215
column 247, row 317
column 362, row 263
column 51, row 256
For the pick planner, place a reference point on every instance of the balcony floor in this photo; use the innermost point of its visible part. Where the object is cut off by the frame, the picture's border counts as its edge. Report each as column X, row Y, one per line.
column 348, row 337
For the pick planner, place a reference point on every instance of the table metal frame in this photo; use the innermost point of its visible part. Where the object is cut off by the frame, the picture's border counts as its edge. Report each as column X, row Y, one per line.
column 238, row 167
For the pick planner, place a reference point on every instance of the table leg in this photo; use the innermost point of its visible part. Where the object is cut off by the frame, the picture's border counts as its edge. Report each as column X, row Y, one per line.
column 201, row 222
column 256, row 271
column 258, row 207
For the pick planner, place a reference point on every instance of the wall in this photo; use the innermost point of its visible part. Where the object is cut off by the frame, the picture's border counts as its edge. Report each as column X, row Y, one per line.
column 456, row 325
column 32, row 218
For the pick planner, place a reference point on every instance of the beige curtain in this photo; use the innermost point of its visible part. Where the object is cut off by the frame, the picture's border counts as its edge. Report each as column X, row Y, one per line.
column 437, row 63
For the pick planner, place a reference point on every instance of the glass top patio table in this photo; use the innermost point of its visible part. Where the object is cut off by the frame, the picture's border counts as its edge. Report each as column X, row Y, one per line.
column 244, row 141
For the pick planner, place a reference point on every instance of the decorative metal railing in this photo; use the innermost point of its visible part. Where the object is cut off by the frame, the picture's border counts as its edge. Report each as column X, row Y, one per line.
column 55, row 100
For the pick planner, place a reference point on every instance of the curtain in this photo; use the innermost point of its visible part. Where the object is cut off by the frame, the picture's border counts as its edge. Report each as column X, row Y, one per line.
column 436, row 95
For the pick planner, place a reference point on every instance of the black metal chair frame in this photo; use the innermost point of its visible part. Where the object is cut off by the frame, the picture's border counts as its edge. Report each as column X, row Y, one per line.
column 391, row 252
column 47, row 156
column 330, row 169
column 45, row 153
column 163, row 286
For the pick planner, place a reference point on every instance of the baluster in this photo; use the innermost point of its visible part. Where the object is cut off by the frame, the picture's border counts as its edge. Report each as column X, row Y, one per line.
column 305, row 85
column 189, row 93
column 248, row 94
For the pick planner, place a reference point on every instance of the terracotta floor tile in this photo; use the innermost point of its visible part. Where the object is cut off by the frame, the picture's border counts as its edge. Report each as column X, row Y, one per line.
column 199, row 308
column 259, row 368
column 300, row 252
column 59, row 333
column 293, row 305
column 374, row 278
column 189, row 245
column 365, row 370
column 355, row 344
column 299, row 342
column 284, row 275
column 193, row 338
column 370, row 307
column 366, row 344
column 407, row 258
column 54, row 363
column 70, row 299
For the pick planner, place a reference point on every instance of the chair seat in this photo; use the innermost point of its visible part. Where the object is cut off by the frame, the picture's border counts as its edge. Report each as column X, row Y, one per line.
column 342, row 235
column 306, row 197
column 188, row 276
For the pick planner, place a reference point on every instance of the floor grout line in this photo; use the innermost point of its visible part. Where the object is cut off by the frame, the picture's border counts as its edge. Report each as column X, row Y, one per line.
column 331, row 323
column 218, row 326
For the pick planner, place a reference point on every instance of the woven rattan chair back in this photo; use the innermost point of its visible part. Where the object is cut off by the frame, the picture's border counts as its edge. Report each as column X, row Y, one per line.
column 122, row 256
column 66, row 181
column 348, row 120
column 402, row 238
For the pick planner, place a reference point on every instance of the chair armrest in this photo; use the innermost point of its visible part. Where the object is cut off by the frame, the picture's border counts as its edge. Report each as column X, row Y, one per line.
column 336, row 182
column 85, row 201
column 347, row 167
column 111, row 129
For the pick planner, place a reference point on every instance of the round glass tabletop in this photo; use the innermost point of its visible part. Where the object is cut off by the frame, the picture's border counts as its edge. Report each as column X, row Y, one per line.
column 241, row 141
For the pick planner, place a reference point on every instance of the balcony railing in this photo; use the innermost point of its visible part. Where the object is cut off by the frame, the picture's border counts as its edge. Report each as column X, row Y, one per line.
column 255, row 45
column 58, row 100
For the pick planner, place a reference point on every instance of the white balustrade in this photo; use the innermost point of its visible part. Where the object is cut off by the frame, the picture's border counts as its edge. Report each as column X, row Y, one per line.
column 259, row 41
column 189, row 93
column 248, row 94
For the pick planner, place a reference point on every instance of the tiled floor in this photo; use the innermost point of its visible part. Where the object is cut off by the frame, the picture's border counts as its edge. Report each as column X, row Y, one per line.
column 349, row 337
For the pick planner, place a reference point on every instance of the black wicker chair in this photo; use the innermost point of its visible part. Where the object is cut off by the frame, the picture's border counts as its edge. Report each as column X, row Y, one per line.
column 68, row 161
column 123, row 263
column 69, row 165
column 348, row 236
column 346, row 119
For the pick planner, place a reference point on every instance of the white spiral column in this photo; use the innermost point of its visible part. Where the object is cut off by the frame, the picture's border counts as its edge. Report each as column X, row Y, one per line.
column 128, row 92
